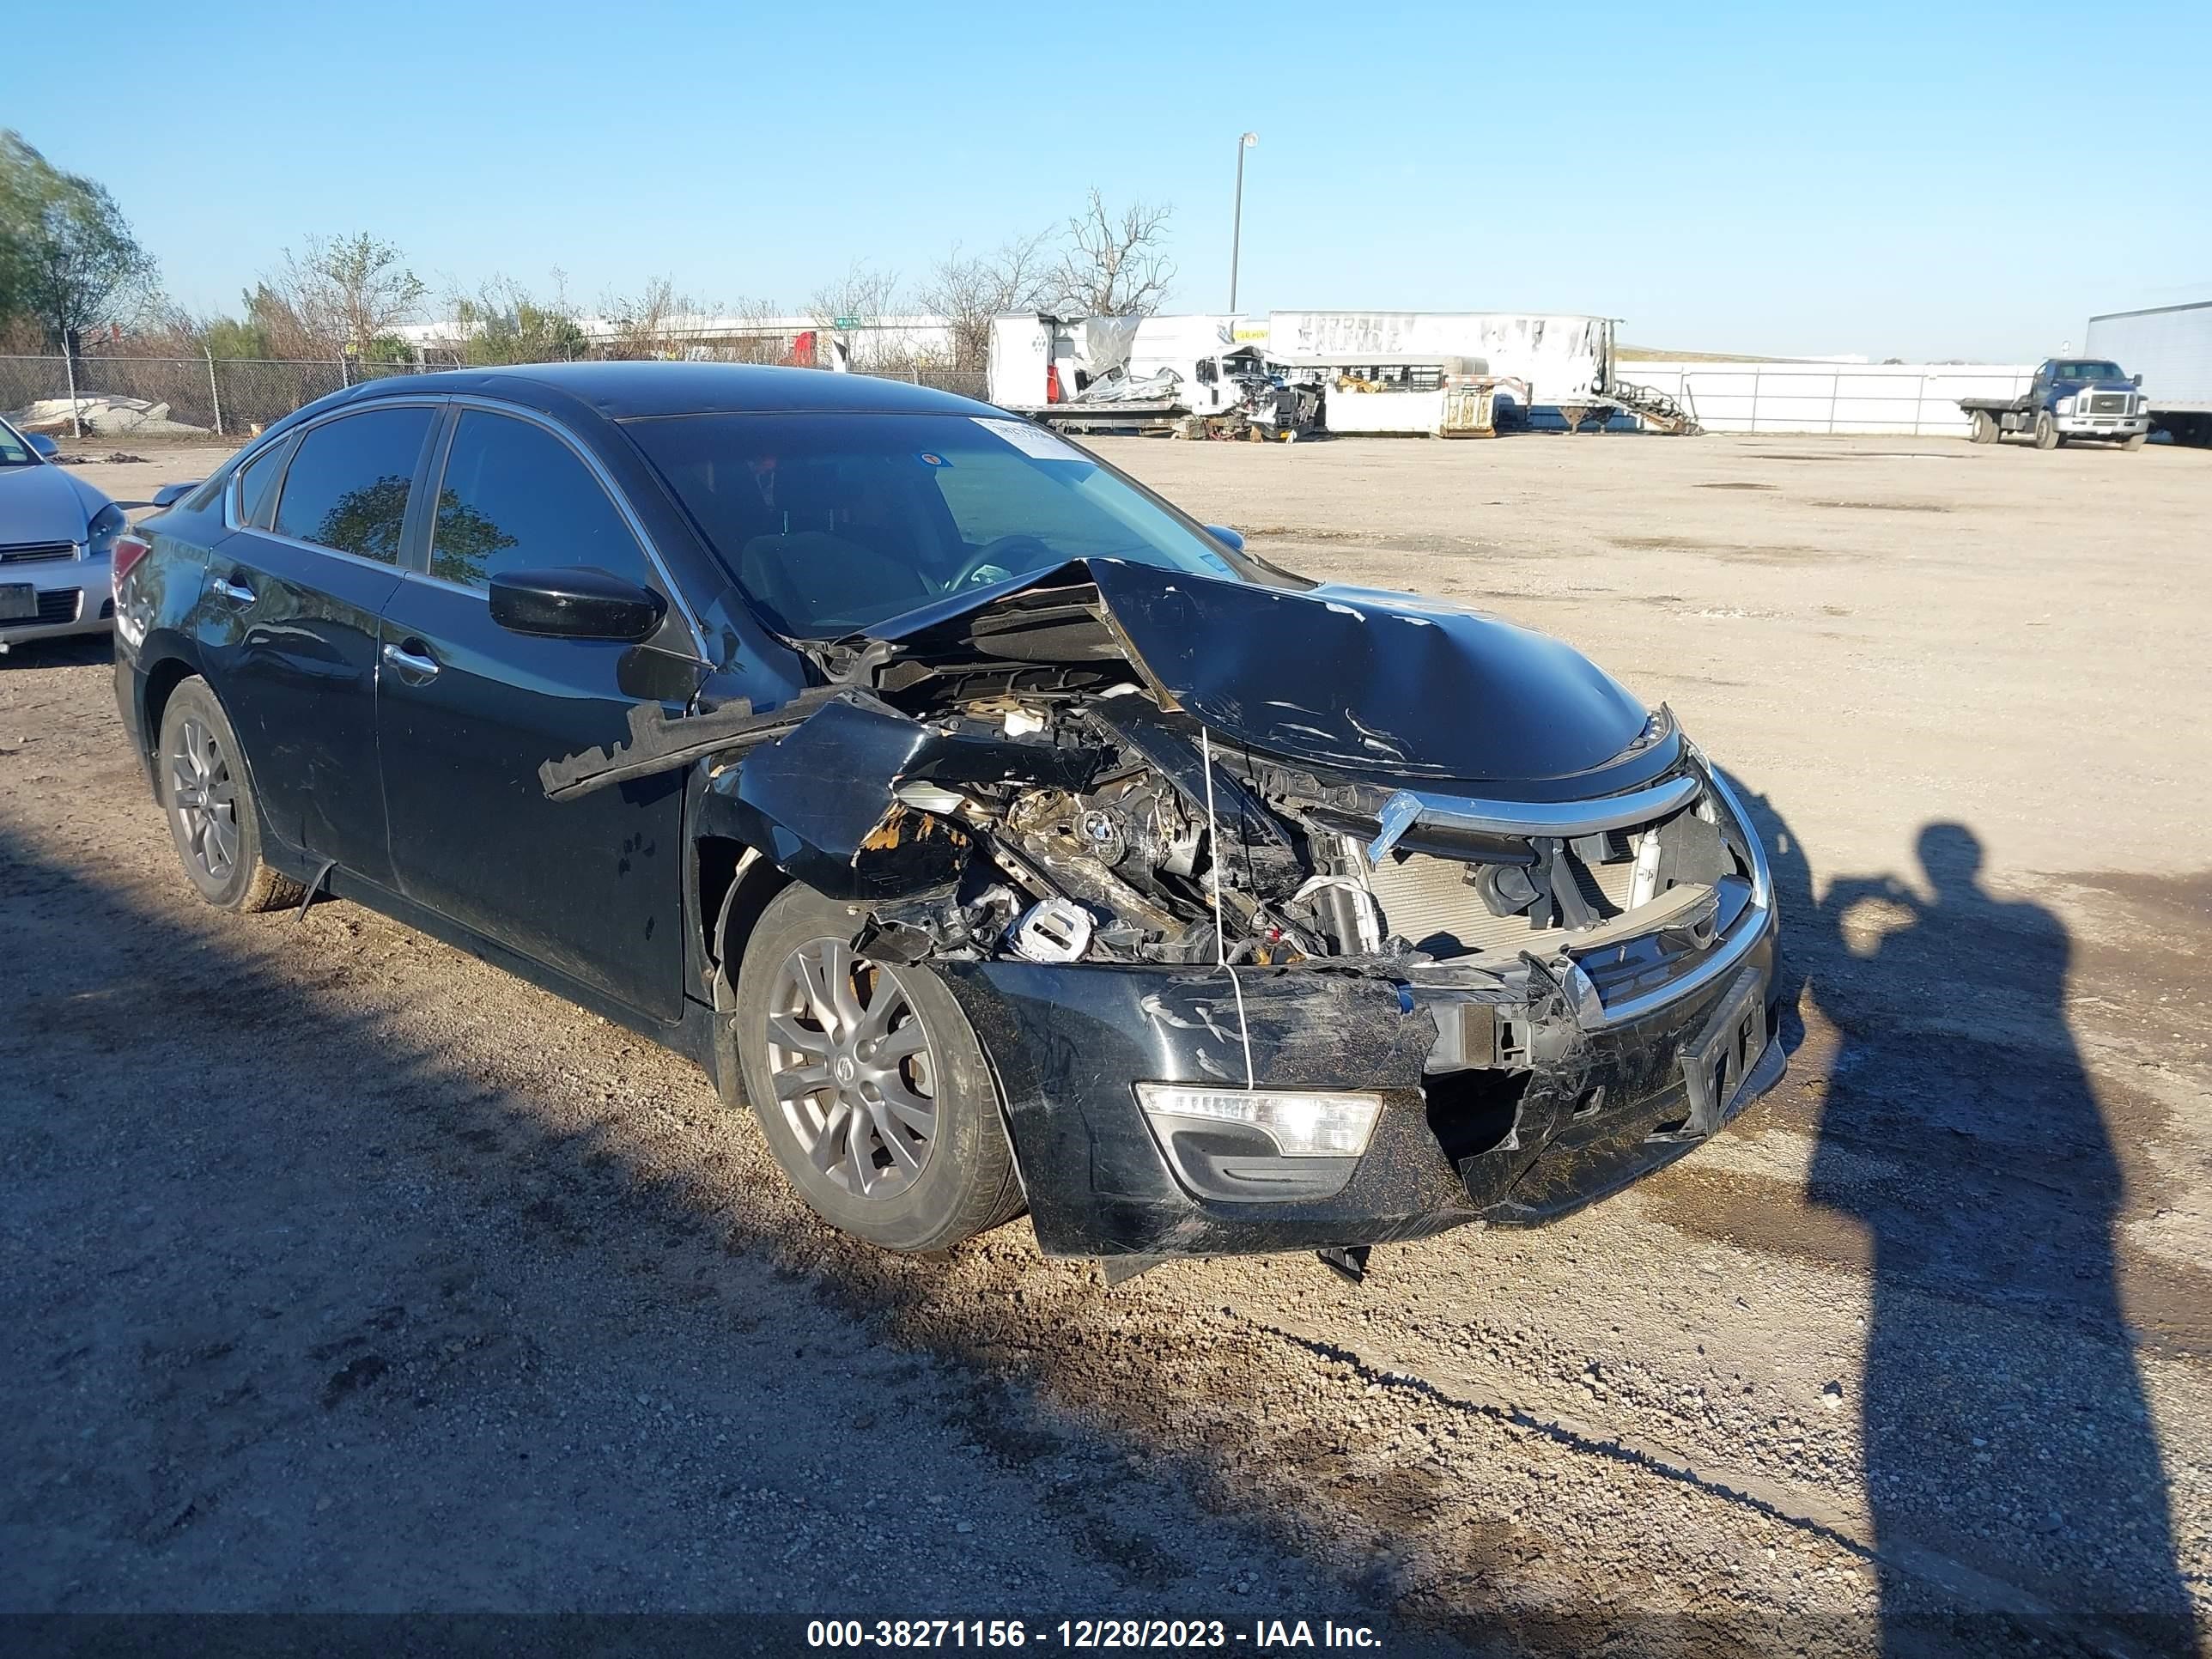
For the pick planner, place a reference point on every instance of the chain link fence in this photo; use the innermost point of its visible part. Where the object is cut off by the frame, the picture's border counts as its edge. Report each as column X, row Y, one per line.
column 230, row 396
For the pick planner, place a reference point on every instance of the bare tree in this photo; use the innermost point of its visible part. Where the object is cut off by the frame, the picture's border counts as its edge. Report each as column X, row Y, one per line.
column 348, row 291
column 644, row 323
column 759, row 336
column 855, row 305
column 1115, row 264
column 863, row 295
column 968, row 292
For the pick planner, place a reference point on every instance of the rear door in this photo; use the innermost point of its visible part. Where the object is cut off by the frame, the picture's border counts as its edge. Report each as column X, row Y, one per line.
column 288, row 622
column 591, row 887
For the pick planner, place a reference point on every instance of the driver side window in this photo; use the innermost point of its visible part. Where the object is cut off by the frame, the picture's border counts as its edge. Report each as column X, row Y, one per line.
column 515, row 497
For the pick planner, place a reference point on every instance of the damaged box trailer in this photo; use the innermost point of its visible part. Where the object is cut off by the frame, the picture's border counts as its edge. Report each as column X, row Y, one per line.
column 1364, row 372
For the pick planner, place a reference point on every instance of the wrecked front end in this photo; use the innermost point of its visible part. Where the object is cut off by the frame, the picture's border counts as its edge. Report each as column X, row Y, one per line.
column 1256, row 969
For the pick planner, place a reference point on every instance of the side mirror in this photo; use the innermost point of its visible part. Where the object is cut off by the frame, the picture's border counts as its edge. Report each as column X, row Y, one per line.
column 1228, row 537
column 41, row 446
column 2135, row 380
column 579, row 604
column 170, row 494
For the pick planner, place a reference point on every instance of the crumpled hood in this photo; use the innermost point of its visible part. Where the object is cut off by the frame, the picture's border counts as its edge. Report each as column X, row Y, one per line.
column 45, row 504
column 1346, row 677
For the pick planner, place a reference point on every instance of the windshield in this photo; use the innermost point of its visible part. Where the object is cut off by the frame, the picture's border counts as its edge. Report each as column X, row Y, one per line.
column 2086, row 369
column 834, row 521
column 14, row 451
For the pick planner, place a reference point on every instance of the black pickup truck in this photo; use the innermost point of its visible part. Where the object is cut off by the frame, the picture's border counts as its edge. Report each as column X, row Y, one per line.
column 2068, row 398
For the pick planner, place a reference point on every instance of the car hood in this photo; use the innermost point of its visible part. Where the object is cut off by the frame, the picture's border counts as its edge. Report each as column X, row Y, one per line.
column 1337, row 676
column 45, row 504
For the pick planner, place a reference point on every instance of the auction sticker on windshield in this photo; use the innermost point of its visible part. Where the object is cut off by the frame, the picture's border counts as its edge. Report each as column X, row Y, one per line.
column 1032, row 440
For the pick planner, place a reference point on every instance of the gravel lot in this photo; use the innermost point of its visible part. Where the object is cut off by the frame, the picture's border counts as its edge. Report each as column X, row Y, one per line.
column 344, row 1273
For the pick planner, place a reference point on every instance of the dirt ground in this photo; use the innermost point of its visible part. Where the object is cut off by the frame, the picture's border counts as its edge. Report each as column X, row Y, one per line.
column 342, row 1272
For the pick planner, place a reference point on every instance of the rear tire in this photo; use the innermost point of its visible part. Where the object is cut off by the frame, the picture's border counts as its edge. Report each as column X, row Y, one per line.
column 888, row 1119
column 1981, row 427
column 2046, row 430
column 208, row 795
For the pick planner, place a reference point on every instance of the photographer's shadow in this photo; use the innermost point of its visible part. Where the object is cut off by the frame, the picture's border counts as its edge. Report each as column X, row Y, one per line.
column 2004, row 1419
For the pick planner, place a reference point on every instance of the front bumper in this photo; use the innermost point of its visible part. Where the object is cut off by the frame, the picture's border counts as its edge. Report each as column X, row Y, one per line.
column 2102, row 426
column 1585, row 1106
column 74, row 596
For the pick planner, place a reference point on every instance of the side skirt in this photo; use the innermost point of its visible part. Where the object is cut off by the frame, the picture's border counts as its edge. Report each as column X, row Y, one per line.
column 692, row 1035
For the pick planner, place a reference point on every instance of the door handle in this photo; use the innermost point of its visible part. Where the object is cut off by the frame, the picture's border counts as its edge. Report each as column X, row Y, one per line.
column 420, row 663
column 236, row 592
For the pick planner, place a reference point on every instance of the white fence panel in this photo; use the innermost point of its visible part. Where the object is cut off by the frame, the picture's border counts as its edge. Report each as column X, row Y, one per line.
column 1893, row 398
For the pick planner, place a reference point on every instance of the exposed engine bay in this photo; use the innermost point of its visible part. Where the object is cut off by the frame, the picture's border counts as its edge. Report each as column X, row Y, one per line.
column 1092, row 826
column 1300, row 835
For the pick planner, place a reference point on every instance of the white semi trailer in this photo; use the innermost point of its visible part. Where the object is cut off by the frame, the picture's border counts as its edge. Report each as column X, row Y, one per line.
column 1436, row 373
column 2170, row 348
column 1119, row 373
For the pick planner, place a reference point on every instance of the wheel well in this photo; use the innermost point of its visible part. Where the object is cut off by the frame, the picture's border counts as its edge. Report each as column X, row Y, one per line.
column 733, row 890
column 163, row 680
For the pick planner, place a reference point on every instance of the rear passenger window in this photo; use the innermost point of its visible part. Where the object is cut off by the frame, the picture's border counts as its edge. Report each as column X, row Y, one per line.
column 348, row 484
column 256, row 485
column 515, row 497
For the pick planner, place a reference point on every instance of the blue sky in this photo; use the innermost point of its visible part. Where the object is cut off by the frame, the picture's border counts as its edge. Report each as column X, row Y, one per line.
column 1911, row 180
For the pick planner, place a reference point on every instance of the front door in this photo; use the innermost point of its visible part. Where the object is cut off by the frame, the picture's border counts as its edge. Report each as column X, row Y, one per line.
column 288, row 625
column 593, row 886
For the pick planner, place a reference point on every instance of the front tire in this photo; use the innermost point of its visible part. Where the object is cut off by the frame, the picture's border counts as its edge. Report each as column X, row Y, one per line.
column 2046, row 430
column 209, row 798
column 2135, row 440
column 869, row 1083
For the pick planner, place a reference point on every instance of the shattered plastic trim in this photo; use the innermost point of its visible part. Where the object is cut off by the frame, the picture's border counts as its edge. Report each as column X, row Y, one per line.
column 989, row 757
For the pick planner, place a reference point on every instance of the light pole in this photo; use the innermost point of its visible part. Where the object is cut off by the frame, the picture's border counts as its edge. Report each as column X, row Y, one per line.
column 1236, row 224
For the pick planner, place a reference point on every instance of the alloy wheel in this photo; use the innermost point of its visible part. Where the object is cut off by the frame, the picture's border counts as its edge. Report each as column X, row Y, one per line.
column 203, row 795
column 853, row 1069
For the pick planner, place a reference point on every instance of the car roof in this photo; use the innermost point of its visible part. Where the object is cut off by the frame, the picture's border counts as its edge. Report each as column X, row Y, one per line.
column 626, row 390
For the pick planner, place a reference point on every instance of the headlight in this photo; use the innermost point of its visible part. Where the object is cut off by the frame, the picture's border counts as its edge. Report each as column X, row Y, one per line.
column 106, row 524
column 1302, row 1122
column 2065, row 406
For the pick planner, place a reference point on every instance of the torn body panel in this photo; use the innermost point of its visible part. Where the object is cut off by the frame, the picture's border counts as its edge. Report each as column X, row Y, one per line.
column 1160, row 833
column 1572, row 1118
column 1068, row 1042
column 825, row 801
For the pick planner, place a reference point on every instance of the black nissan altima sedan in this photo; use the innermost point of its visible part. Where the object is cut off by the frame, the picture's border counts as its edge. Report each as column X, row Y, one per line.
column 1003, row 837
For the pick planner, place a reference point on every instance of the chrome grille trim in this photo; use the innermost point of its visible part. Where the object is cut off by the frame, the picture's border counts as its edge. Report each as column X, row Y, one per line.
column 1564, row 819
column 34, row 552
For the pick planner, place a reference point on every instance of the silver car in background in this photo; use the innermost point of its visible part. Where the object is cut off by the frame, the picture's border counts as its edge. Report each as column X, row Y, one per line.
column 57, row 539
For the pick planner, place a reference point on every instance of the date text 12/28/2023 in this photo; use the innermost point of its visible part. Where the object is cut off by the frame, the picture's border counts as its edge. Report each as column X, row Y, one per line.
column 1259, row 1635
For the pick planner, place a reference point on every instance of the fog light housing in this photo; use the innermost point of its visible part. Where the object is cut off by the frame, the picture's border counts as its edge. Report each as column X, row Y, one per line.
column 1302, row 1122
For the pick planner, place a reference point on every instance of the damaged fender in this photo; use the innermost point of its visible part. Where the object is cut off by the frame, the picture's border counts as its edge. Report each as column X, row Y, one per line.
column 833, row 802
